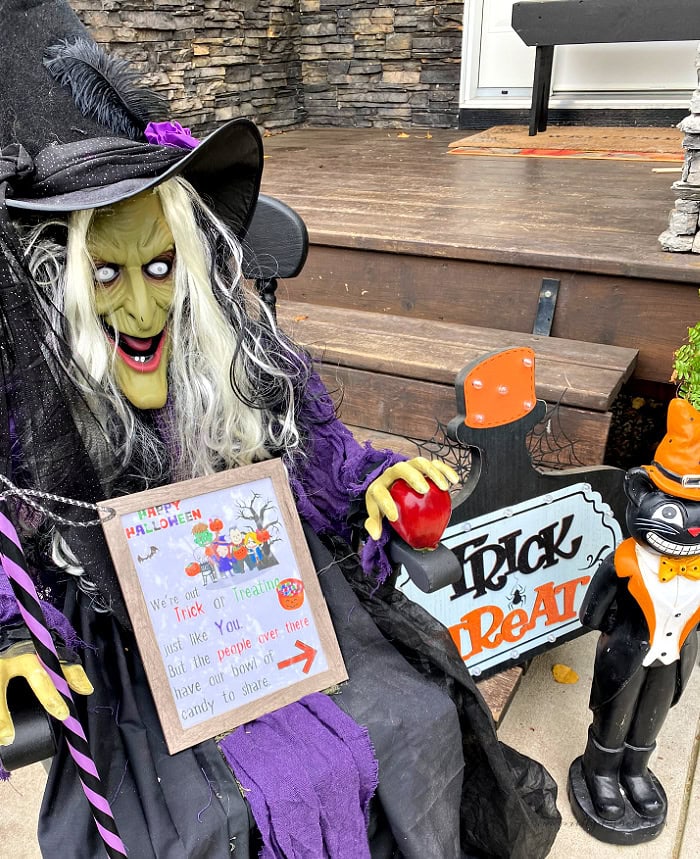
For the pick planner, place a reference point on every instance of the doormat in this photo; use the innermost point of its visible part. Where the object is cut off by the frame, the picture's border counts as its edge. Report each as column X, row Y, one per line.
column 572, row 141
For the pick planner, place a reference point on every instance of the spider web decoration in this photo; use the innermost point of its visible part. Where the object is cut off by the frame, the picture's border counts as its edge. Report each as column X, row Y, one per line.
column 548, row 443
column 441, row 446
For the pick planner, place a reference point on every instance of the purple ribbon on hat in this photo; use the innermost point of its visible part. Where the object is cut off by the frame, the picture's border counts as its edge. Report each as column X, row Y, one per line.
column 170, row 134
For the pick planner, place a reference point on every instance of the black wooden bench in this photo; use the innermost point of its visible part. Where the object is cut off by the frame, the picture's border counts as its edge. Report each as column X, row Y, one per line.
column 547, row 23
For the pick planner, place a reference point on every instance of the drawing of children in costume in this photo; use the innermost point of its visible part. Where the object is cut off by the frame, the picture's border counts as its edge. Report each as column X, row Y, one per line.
column 253, row 547
column 239, row 552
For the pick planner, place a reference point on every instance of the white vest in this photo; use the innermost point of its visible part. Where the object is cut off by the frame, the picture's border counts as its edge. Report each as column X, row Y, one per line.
column 675, row 602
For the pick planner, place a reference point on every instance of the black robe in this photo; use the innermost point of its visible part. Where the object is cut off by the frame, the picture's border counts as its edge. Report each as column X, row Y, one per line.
column 448, row 788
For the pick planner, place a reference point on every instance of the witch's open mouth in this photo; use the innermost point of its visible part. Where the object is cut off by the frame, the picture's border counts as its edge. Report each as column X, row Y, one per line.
column 139, row 353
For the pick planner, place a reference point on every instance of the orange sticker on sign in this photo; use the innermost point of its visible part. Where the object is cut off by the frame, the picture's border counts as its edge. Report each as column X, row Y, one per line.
column 500, row 389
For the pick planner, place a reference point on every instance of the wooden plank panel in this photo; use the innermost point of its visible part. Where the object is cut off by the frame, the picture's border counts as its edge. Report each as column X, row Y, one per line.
column 574, row 437
column 499, row 689
column 587, row 375
column 410, row 408
column 344, row 328
column 389, row 404
column 368, row 188
column 480, row 294
column 650, row 316
column 386, row 441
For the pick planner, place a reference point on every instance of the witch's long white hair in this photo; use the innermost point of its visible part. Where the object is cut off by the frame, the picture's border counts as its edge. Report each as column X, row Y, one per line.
column 234, row 380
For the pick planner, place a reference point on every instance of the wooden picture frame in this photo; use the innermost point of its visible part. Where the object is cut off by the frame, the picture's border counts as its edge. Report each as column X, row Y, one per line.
column 230, row 623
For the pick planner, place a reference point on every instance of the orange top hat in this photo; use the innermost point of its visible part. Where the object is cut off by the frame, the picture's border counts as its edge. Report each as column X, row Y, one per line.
column 676, row 465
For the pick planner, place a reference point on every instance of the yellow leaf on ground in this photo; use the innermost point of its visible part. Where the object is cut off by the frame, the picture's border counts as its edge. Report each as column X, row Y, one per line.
column 564, row 674
column 402, row 134
column 299, row 318
column 428, row 135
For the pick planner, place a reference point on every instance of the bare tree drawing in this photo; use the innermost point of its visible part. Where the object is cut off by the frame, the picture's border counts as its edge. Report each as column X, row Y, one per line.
column 263, row 516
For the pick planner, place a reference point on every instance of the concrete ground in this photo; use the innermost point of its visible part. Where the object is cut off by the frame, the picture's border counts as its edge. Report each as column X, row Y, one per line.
column 546, row 720
column 20, row 799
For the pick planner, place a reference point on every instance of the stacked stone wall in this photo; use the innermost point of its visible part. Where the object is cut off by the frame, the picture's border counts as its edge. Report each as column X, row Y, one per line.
column 213, row 59
column 366, row 63
column 286, row 62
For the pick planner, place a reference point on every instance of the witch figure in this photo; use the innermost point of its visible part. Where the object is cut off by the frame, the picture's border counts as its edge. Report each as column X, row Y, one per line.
column 133, row 354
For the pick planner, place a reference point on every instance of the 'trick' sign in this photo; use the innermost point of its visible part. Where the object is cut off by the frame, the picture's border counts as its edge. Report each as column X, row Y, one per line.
column 528, row 542
column 525, row 571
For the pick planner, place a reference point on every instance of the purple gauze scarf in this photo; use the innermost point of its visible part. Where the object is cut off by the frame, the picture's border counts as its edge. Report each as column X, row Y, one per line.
column 309, row 773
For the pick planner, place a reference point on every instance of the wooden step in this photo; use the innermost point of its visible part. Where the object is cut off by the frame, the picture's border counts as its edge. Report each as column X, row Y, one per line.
column 396, row 374
column 499, row 689
column 386, row 441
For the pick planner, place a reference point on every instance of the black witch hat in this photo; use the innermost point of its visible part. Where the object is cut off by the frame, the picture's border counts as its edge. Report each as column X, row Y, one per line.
column 75, row 126
column 74, row 134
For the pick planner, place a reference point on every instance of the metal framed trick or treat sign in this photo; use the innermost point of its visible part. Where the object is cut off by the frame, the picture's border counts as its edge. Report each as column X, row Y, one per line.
column 225, row 603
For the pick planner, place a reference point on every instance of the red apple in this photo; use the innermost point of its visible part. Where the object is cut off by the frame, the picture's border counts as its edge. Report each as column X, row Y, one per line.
column 422, row 518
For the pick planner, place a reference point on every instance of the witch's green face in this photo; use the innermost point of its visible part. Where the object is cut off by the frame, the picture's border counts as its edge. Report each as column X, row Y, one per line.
column 133, row 254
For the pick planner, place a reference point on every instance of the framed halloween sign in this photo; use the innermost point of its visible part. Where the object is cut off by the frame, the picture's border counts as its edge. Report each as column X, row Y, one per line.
column 225, row 603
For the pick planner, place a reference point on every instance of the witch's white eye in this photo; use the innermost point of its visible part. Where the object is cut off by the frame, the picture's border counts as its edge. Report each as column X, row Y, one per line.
column 158, row 268
column 670, row 513
column 106, row 273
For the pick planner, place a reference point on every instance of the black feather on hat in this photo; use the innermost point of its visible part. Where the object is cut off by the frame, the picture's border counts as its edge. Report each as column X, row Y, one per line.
column 81, row 117
column 103, row 87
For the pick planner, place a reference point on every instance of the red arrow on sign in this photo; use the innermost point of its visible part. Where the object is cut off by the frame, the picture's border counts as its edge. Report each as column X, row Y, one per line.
column 307, row 653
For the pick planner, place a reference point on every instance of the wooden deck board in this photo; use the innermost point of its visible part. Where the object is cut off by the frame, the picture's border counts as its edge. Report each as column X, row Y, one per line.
column 368, row 188
column 499, row 689
column 412, row 409
column 385, row 441
column 400, row 227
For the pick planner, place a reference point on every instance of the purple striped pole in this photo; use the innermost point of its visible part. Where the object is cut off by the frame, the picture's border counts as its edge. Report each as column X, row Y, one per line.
column 12, row 560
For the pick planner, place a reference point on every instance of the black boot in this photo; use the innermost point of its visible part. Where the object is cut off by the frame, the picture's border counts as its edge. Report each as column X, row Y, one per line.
column 638, row 784
column 601, row 768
